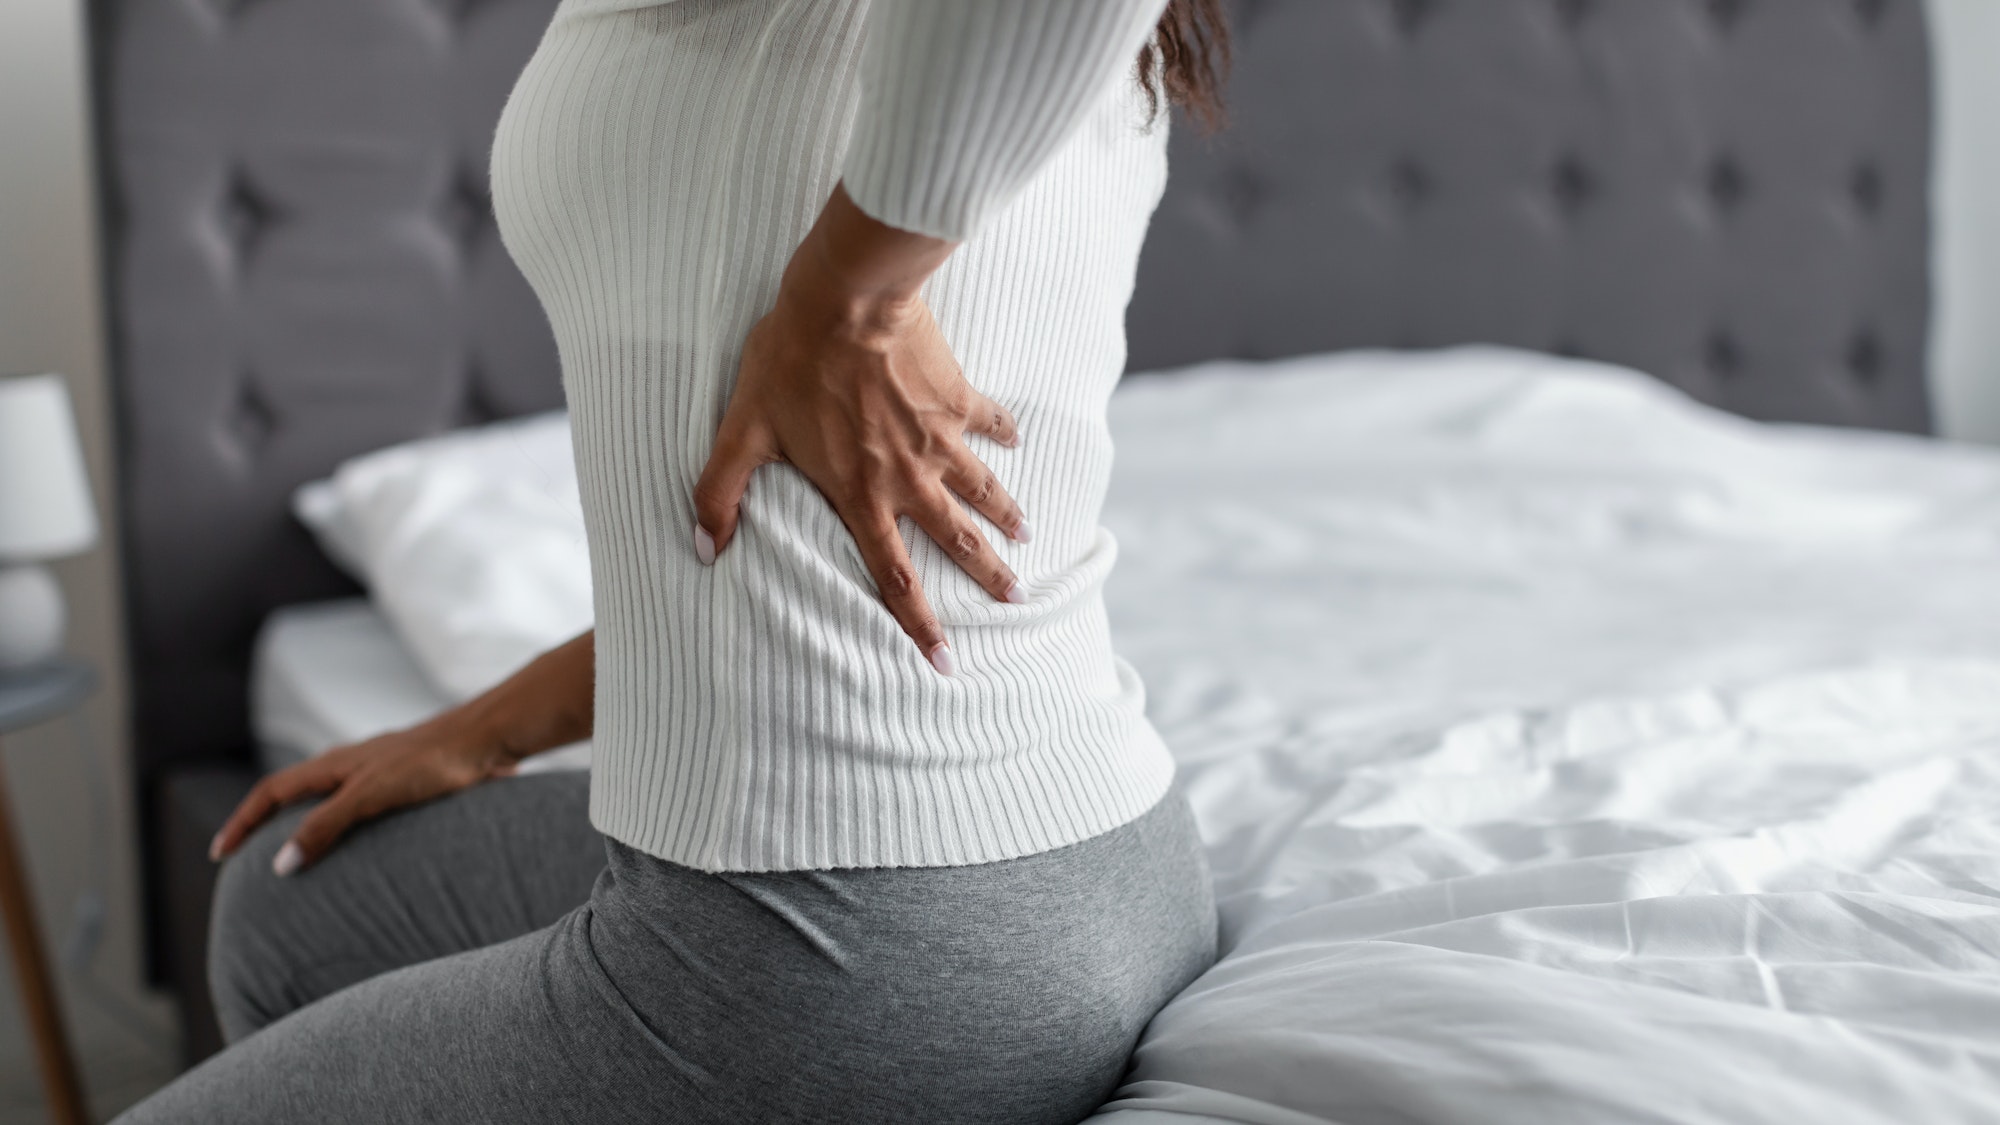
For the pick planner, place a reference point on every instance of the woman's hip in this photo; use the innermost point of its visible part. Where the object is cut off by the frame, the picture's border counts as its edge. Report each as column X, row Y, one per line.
column 1007, row 991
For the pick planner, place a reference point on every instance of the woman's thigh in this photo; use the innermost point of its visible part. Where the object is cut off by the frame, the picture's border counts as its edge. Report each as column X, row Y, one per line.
column 479, row 867
column 1009, row 992
column 525, row 1031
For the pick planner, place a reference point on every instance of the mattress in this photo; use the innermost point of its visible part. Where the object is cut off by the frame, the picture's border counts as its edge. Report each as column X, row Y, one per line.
column 1565, row 751
column 324, row 674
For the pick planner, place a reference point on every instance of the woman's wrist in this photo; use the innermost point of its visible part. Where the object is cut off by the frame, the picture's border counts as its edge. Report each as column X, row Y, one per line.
column 478, row 728
column 548, row 703
column 859, row 271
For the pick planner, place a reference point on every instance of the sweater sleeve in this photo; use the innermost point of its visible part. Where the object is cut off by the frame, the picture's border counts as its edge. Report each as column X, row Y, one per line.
column 963, row 101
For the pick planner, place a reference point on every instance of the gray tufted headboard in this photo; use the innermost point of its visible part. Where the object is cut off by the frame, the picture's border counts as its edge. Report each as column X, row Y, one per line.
column 1729, row 194
column 303, row 266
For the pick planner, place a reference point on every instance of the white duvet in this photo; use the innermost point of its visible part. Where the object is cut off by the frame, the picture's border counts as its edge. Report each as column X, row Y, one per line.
column 1567, row 752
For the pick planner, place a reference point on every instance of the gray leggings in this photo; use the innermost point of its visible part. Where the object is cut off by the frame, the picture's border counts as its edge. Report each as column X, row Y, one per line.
column 491, row 958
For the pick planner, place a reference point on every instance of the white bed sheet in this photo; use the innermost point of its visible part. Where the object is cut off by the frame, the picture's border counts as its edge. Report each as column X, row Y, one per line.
column 1567, row 752
column 324, row 674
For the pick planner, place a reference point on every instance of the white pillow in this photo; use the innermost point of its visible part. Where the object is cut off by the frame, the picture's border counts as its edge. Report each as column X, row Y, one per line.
column 471, row 542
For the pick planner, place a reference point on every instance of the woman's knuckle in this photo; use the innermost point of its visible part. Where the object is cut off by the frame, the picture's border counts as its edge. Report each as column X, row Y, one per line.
column 709, row 497
column 898, row 580
column 964, row 544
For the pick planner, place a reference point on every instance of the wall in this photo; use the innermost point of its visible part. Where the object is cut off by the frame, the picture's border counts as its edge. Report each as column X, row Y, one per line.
column 1965, row 357
column 76, row 830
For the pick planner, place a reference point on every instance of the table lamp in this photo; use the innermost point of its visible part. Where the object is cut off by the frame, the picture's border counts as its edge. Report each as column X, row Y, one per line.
column 45, row 513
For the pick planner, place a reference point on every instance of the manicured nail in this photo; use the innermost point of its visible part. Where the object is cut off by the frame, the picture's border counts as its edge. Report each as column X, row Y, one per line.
column 1017, row 594
column 704, row 545
column 1022, row 532
column 942, row 661
column 215, row 848
column 1014, row 440
column 288, row 859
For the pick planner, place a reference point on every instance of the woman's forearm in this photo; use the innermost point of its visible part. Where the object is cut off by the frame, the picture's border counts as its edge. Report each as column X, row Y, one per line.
column 850, row 260
column 546, row 704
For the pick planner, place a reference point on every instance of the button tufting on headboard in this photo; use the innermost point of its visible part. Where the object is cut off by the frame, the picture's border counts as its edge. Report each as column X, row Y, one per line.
column 1864, row 358
column 474, row 406
column 1243, row 191
column 246, row 426
column 1724, row 193
column 1724, row 14
column 1722, row 356
column 1726, row 185
column 1865, row 188
column 454, row 12
column 1411, row 15
column 1572, row 13
column 244, row 216
column 466, row 211
column 1409, row 183
column 1570, row 185
column 228, row 10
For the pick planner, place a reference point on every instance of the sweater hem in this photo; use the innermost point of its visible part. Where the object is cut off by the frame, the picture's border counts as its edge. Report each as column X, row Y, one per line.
column 1149, row 771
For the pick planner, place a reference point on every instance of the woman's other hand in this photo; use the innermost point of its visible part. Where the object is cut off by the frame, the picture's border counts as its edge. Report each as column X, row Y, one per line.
column 850, row 381
column 361, row 781
column 548, row 702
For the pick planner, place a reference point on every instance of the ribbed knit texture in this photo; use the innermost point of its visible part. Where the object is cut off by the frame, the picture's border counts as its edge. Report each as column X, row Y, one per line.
column 654, row 169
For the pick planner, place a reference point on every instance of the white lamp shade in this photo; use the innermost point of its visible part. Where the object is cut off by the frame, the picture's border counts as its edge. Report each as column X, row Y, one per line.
column 45, row 508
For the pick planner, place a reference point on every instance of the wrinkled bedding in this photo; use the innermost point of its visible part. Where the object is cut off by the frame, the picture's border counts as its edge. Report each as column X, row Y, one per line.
column 1568, row 752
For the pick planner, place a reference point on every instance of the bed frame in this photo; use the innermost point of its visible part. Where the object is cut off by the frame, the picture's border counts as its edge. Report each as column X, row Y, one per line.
column 302, row 263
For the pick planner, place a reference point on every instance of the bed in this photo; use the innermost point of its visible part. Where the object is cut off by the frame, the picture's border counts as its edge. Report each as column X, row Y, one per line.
column 1583, row 671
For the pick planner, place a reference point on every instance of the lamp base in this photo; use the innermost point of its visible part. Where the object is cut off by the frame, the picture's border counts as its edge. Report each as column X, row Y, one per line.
column 31, row 616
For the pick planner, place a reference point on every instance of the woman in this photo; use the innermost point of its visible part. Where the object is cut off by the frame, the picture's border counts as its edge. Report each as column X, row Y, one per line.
column 876, row 828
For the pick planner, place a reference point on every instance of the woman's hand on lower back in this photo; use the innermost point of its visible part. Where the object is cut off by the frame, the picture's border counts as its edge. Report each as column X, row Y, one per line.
column 850, row 381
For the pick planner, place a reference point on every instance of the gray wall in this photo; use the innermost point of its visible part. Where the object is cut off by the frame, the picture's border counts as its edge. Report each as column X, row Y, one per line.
column 1965, row 372
column 49, row 321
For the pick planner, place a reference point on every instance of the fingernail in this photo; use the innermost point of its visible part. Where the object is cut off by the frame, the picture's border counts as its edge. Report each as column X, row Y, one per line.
column 1017, row 594
column 704, row 545
column 1014, row 440
column 288, row 859
column 942, row 661
column 215, row 848
column 1022, row 532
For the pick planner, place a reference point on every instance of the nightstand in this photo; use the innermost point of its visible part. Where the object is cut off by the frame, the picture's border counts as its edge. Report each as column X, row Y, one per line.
column 28, row 697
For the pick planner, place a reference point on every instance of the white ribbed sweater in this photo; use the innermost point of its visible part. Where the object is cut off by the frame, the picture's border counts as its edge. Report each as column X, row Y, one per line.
column 654, row 168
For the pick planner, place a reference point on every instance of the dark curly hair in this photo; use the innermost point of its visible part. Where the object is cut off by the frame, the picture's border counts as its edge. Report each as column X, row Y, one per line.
column 1187, row 60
